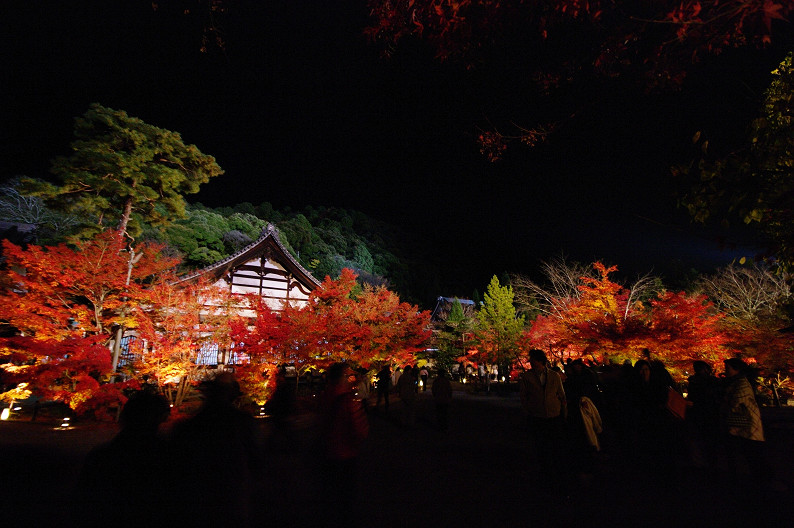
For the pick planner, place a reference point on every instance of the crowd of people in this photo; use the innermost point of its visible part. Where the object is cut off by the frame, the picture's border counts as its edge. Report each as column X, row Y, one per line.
column 577, row 415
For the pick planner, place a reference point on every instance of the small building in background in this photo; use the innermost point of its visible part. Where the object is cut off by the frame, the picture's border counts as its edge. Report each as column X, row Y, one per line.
column 444, row 305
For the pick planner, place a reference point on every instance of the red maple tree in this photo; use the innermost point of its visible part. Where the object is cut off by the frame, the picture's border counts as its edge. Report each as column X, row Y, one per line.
column 62, row 304
column 339, row 322
column 677, row 328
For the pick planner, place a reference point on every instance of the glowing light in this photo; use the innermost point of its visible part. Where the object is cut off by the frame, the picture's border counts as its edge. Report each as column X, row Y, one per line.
column 5, row 414
column 65, row 424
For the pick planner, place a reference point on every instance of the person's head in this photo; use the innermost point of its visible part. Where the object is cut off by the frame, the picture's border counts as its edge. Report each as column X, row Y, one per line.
column 537, row 358
column 223, row 388
column 734, row 366
column 701, row 367
column 144, row 411
column 340, row 373
column 643, row 370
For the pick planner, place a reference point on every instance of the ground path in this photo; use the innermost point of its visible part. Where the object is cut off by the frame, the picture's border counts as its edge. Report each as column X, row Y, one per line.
column 478, row 473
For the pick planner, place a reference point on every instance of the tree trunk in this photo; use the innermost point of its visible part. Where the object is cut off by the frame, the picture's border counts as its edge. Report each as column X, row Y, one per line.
column 775, row 397
column 116, row 349
column 125, row 216
column 120, row 331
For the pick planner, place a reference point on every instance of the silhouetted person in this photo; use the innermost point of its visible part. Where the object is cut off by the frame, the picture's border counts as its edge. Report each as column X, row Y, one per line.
column 652, row 427
column 125, row 481
column 281, row 408
column 406, row 388
column 743, row 431
column 442, row 394
column 343, row 430
column 580, row 382
column 281, row 404
column 362, row 387
column 702, row 417
column 218, row 458
column 384, row 386
column 545, row 405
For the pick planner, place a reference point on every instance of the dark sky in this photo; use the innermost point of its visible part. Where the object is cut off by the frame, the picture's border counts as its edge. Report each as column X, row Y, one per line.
column 300, row 110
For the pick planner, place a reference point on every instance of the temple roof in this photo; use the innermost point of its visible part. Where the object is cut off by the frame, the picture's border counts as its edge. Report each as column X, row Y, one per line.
column 268, row 245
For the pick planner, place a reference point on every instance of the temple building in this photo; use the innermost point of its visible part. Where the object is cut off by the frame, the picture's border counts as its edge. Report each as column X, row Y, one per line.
column 264, row 267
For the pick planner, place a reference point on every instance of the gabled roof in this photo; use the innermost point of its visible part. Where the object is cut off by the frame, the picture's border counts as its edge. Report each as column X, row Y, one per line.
column 444, row 305
column 268, row 245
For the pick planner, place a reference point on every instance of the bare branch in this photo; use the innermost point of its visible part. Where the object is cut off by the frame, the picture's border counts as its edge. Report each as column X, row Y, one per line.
column 749, row 293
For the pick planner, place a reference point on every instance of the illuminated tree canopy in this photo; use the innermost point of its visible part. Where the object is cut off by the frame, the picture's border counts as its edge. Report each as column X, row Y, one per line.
column 124, row 173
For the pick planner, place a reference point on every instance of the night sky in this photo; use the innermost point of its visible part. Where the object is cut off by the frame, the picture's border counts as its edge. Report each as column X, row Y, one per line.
column 300, row 110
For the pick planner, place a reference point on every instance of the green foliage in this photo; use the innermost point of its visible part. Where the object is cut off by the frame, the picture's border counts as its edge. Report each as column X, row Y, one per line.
column 450, row 337
column 498, row 326
column 124, row 173
column 756, row 183
column 363, row 258
column 324, row 240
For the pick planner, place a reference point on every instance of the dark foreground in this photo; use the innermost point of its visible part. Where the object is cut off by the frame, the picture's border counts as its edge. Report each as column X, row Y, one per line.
column 479, row 473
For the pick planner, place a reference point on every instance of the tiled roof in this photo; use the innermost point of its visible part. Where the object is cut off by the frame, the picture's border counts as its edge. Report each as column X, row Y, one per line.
column 269, row 238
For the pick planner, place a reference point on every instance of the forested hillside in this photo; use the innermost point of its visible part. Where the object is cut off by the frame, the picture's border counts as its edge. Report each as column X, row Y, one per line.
column 323, row 239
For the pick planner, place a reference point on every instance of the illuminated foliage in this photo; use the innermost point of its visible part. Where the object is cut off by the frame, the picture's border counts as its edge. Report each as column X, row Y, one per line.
column 755, row 300
column 555, row 43
column 174, row 320
column 124, row 173
column 339, row 323
column 498, row 327
column 603, row 324
column 657, row 34
column 63, row 303
column 451, row 336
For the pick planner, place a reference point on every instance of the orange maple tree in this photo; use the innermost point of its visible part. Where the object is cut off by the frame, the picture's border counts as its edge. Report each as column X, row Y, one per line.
column 63, row 303
column 175, row 319
column 677, row 327
column 338, row 323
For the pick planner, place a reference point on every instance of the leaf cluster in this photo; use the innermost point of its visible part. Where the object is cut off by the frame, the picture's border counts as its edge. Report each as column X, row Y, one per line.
column 340, row 322
column 754, row 184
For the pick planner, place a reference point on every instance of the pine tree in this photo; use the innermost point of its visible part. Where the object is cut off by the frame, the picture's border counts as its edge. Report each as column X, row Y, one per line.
column 124, row 173
column 450, row 339
column 499, row 327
